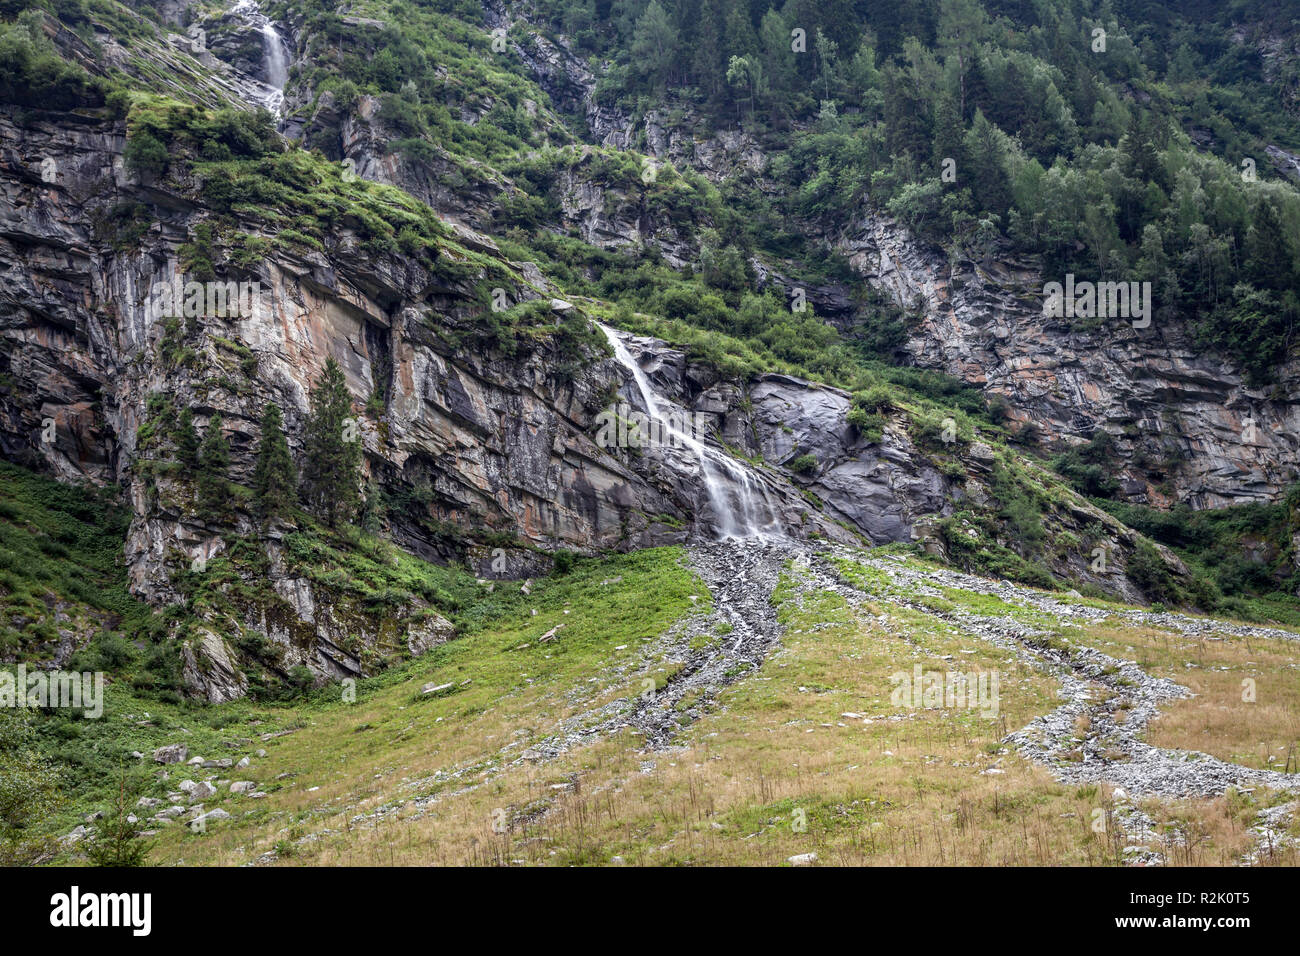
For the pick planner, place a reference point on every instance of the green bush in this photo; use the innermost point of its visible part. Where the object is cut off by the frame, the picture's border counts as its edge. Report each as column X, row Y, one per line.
column 804, row 464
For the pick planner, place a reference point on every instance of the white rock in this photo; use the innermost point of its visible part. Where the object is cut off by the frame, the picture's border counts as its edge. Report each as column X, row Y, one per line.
column 217, row 814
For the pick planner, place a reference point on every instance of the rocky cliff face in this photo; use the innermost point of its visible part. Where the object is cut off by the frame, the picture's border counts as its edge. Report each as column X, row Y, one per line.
column 1186, row 425
column 486, row 442
column 483, row 443
column 887, row 490
column 489, row 441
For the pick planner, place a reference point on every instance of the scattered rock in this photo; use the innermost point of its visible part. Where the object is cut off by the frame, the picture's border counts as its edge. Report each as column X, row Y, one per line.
column 203, row 819
column 197, row 789
column 172, row 753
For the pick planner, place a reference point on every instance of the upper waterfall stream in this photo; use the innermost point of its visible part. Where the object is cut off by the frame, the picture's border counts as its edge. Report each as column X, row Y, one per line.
column 275, row 53
column 739, row 500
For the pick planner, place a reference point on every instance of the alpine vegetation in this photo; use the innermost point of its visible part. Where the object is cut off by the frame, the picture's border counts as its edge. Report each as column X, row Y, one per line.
column 647, row 433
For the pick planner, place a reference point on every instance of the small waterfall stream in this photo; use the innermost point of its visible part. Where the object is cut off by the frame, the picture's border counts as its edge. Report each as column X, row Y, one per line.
column 741, row 505
column 275, row 53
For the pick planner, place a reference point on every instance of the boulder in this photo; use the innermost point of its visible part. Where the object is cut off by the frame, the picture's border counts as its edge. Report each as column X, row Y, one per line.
column 171, row 753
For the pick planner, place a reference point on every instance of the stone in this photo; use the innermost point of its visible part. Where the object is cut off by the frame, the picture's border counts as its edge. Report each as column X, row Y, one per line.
column 428, row 633
column 803, row 859
column 197, row 789
column 204, row 819
column 171, row 753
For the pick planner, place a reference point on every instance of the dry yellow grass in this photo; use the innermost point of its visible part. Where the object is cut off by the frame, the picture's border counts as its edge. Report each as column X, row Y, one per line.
column 774, row 770
column 1220, row 720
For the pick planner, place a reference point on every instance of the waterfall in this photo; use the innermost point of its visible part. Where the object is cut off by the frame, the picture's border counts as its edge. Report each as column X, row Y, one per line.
column 741, row 504
column 275, row 53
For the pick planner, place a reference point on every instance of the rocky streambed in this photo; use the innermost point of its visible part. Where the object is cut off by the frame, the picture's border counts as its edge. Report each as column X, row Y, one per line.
column 1081, row 741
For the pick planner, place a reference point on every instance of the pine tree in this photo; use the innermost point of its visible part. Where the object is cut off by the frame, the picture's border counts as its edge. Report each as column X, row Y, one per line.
column 978, row 93
column 949, row 134
column 186, row 439
column 274, row 479
column 906, row 120
column 1267, row 252
column 985, row 151
column 115, row 841
column 961, row 23
column 333, row 454
column 708, row 63
column 653, row 44
column 1140, row 151
column 213, row 462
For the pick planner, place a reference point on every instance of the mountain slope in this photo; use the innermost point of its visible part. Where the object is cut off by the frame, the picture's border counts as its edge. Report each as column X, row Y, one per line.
column 513, row 226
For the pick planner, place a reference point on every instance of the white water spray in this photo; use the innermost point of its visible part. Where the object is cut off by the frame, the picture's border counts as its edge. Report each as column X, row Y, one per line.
column 275, row 53
column 741, row 504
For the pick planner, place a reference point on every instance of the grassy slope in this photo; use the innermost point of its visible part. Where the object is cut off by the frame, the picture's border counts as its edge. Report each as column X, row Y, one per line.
column 777, row 749
column 394, row 743
column 60, row 547
column 400, row 777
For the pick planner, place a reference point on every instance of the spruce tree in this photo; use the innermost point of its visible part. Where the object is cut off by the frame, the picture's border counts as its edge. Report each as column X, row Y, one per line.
column 653, row 44
column 1267, row 252
column 333, row 454
column 213, row 462
column 115, row 840
column 274, row 479
column 186, row 439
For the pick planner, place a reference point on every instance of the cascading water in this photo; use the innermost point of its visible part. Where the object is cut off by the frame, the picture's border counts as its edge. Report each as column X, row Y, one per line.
column 275, row 53
column 741, row 505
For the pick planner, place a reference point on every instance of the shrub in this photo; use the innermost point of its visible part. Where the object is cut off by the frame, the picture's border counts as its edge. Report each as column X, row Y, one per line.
column 1147, row 569
column 803, row 464
column 563, row 561
column 146, row 156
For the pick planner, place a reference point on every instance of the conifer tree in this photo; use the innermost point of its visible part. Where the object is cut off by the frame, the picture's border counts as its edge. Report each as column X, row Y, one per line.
column 186, row 439
column 333, row 454
column 1267, row 252
column 274, row 479
column 213, row 462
